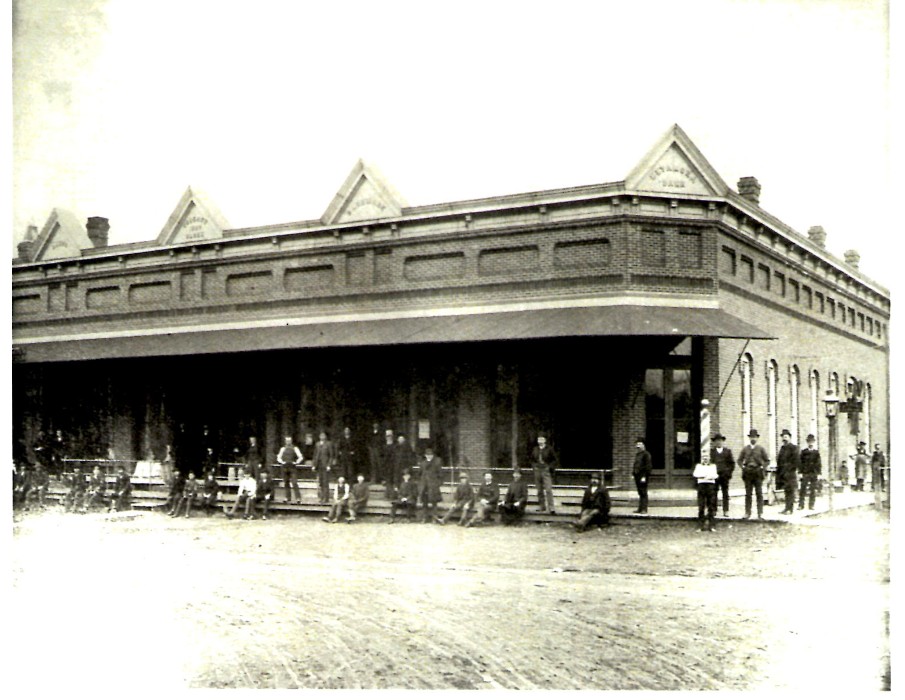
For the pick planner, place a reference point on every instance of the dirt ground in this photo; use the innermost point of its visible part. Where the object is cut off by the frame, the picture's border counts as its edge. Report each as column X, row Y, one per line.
column 163, row 604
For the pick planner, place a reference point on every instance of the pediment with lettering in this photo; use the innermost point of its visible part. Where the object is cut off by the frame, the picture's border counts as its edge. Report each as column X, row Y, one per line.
column 62, row 237
column 675, row 165
column 364, row 196
column 195, row 218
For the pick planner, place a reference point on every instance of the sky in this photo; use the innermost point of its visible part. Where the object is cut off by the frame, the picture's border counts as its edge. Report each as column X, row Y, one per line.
column 119, row 105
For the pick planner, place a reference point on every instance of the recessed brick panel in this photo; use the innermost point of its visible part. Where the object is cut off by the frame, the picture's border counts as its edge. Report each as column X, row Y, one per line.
column 102, row 297
column 249, row 283
column 150, row 293
column 582, row 254
column 434, row 267
column 298, row 279
column 502, row 260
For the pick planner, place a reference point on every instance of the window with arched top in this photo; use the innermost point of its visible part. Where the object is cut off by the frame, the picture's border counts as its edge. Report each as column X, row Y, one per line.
column 772, row 405
column 814, row 381
column 867, row 403
column 746, row 367
column 794, row 384
column 834, row 384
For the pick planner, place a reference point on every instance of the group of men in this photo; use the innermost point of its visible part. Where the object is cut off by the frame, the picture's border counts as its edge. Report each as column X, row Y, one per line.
column 797, row 474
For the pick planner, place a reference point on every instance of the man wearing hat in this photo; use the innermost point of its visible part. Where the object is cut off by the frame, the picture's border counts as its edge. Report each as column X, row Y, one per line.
column 595, row 506
column 721, row 457
column 810, row 471
column 545, row 463
column 516, row 500
column 788, row 462
column 754, row 460
column 641, row 470
column 429, row 485
column 878, row 469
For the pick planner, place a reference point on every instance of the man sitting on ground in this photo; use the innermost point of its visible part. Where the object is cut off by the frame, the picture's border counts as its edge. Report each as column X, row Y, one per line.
column 488, row 497
column 516, row 500
column 462, row 500
column 595, row 506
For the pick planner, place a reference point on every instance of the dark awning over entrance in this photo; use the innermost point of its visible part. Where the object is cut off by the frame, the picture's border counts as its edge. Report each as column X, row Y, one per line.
column 624, row 320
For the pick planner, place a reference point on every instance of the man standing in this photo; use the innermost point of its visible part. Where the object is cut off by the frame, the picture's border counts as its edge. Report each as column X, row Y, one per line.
column 375, row 451
column 253, row 458
column 387, row 459
column 346, row 455
column 595, row 506
column 290, row 457
column 641, row 470
column 754, row 460
column 516, row 500
column 810, row 471
column 721, row 457
column 706, row 475
column 545, row 463
column 878, row 469
column 403, row 459
column 323, row 461
column 861, row 462
column 788, row 462
column 429, row 483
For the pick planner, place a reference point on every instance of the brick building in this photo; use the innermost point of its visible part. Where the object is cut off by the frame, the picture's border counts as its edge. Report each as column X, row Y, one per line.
column 593, row 314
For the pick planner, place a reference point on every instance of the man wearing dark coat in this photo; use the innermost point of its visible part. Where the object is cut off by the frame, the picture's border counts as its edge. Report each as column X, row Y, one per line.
column 121, row 499
column 787, row 463
column 97, row 489
column 809, row 469
column 462, row 500
column 721, row 457
column 429, row 483
column 323, row 461
column 210, row 491
column 641, row 470
column 513, row 507
column 878, row 469
column 375, row 453
column 753, row 460
column 406, row 498
column 358, row 499
column 544, row 462
column 486, row 500
column 595, row 506
column 402, row 459
column 254, row 458
column 264, row 491
column 77, row 486
column 346, row 455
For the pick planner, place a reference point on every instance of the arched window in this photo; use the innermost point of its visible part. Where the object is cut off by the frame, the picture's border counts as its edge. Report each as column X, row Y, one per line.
column 772, row 374
column 834, row 384
column 794, row 383
column 746, row 367
column 815, row 405
column 867, row 402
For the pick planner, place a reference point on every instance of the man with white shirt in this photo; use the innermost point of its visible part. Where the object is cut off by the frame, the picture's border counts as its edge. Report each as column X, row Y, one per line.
column 248, row 489
column 706, row 475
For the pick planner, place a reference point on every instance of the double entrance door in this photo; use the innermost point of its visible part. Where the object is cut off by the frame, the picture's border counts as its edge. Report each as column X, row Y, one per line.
column 671, row 423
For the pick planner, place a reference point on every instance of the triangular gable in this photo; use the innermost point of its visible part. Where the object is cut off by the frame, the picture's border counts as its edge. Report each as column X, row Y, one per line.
column 365, row 195
column 675, row 165
column 62, row 237
column 194, row 219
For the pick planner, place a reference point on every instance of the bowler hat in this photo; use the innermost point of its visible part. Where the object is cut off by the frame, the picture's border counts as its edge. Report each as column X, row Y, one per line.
column 753, row 433
column 862, row 443
column 785, row 431
column 810, row 437
column 718, row 436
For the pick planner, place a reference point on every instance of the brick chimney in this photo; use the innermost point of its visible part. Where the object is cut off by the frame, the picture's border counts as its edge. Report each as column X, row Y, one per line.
column 749, row 188
column 817, row 236
column 852, row 258
column 98, row 228
column 26, row 246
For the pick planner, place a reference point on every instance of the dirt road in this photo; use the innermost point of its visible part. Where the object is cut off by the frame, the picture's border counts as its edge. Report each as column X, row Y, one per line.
column 207, row 602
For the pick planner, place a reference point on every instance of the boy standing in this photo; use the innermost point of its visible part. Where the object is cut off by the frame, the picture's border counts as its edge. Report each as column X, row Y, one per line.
column 706, row 475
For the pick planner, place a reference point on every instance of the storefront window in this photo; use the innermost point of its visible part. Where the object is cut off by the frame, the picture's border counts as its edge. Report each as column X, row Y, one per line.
column 683, row 417
column 655, row 407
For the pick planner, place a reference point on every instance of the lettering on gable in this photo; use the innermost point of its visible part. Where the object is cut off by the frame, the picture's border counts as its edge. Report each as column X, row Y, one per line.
column 673, row 172
column 365, row 203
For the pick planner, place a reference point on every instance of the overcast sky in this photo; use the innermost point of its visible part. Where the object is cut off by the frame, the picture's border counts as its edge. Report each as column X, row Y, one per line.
column 119, row 105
